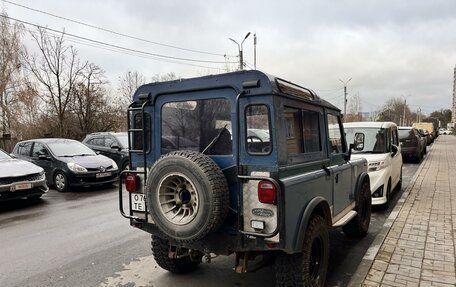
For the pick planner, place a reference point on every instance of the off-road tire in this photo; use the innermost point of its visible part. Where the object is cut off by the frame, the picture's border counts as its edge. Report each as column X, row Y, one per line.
column 61, row 181
column 184, row 181
column 160, row 251
column 359, row 225
column 308, row 268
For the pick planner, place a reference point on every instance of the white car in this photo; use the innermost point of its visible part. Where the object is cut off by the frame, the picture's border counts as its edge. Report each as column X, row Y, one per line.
column 383, row 153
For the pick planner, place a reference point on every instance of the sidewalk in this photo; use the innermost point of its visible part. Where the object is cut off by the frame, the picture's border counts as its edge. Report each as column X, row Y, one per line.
column 418, row 245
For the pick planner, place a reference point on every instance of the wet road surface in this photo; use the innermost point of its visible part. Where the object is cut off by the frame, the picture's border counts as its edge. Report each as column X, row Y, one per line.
column 79, row 238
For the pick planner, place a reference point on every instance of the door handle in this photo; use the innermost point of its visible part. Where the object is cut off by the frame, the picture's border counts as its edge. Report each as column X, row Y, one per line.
column 337, row 177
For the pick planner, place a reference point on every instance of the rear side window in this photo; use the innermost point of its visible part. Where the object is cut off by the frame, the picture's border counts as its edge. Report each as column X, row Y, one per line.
column 98, row 141
column 302, row 131
column 25, row 149
column 258, row 138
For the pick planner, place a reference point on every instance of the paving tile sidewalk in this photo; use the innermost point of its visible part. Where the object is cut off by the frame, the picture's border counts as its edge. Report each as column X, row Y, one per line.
column 419, row 248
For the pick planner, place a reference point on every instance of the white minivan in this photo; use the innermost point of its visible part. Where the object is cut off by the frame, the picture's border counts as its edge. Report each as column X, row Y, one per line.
column 383, row 153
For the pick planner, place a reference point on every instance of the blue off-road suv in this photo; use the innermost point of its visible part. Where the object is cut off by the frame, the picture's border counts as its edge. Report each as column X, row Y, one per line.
column 242, row 163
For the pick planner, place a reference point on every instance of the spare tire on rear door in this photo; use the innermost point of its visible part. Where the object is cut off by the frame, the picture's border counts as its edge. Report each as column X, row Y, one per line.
column 187, row 195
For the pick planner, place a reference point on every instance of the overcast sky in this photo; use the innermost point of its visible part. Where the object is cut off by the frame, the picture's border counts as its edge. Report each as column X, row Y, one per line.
column 390, row 49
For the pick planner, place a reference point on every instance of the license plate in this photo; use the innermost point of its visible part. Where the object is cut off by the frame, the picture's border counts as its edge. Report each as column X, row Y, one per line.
column 20, row 186
column 103, row 174
column 137, row 202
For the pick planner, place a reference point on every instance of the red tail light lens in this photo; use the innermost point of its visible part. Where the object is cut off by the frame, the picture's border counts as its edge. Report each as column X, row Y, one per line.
column 267, row 192
column 131, row 182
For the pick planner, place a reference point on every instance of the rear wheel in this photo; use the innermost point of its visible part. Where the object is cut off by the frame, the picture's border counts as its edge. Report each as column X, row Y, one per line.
column 60, row 181
column 359, row 225
column 308, row 268
column 185, row 261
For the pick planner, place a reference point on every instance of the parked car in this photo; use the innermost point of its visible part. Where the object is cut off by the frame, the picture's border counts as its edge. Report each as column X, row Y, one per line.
column 413, row 145
column 445, row 132
column 112, row 145
column 20, row 179
column 426, row 137
column 383, row 154
column 68, row 163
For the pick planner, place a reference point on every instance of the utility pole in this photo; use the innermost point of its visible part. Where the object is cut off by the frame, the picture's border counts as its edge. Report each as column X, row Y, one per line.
column 345, row 95
column 254, row 50
column 403, row 117
column 241, row 59
column 418, row 115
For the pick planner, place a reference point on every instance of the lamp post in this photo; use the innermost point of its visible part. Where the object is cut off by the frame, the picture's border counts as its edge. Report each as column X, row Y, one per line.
column 241, row 60
column 345, row 95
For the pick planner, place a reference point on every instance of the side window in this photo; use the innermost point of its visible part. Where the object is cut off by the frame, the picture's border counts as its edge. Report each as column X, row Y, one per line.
column 258, row 129
column 137, row 136
column 395, row 138
column 335, row 135
column 99, row 141
column 39, row 149
column 26, row 149
column 109, row 141
column 293, row 121
column 311, row 131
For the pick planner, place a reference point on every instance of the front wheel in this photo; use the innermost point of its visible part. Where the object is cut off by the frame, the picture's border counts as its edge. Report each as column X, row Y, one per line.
column 185, row 263
column 308, row 268
column 60, row 181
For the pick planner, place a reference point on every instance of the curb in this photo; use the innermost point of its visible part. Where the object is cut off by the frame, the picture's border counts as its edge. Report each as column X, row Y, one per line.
column 366, row 263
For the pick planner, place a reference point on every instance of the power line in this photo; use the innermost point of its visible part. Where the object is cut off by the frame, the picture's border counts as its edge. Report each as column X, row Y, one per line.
column 103, row 44
column 111, row 31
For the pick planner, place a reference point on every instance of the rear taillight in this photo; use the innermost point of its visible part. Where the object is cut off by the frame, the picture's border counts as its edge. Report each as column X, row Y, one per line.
column 131, row 182
column 267, row 192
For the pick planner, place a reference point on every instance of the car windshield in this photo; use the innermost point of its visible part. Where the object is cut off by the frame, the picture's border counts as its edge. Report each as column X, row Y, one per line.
column 123, row 139
column 70, row 148
column 4, row 155
column 374, row 139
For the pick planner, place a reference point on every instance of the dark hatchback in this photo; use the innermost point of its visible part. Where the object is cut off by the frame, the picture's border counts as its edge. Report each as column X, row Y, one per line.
column 112, row 145
column 413, row 144
column 20, row 179
column 68, row 163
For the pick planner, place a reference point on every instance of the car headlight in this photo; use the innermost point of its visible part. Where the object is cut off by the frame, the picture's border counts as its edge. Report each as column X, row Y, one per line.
column 74, row 167
column 114, row 164
column 376, row 165
column 41, row 174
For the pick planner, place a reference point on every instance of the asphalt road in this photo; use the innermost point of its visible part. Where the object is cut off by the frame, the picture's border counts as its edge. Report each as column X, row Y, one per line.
column 80, row 239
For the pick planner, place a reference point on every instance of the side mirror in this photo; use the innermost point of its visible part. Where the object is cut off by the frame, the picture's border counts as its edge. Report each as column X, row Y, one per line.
column 114, row 146
column 358, row 143
column 394, row 150
column 43, row 157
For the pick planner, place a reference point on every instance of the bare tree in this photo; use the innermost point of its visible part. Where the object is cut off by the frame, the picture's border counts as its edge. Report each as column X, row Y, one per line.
column 394, row 109
column 354, row 109
column 128, row 83
column 10, row 68
column 57, row 69
column 89, row 97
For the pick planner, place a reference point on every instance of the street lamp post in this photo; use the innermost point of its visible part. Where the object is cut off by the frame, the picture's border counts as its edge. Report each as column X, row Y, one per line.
column 241, row 59
column 345, row 95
